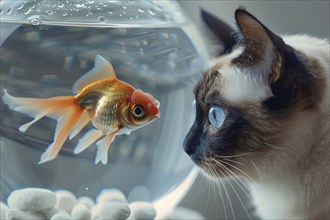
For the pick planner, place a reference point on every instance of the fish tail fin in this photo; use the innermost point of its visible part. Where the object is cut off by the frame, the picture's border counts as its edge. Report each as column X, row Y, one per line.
column 67, row 119
column 64, row 109
column 83, row 121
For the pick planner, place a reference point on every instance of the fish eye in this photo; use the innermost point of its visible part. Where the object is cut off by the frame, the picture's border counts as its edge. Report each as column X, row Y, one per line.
column 138, row 111
column 216, row 116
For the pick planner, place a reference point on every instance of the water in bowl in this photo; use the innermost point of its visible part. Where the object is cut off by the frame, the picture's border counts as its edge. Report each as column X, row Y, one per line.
column 41, row 58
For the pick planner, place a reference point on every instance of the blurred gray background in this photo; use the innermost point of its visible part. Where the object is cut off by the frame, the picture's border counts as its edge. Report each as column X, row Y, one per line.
column 282, row 17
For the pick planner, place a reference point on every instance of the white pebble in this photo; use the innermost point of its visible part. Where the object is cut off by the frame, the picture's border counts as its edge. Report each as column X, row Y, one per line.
column 87, row 201
column 142, row 210
column 96, row 211
column 80, row 211
column 61, row 216
column 31, row 199
column 110, row 195
column 3, row 210
column 58, row 213
column 50, row 212
column 65, row 200
column 114, row 210
column 15, row 214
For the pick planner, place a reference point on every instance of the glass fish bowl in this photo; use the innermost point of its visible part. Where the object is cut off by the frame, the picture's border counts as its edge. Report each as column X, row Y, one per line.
column 46, row 45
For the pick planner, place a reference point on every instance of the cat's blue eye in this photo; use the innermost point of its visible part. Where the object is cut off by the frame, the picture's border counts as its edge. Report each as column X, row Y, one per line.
column 216, row 116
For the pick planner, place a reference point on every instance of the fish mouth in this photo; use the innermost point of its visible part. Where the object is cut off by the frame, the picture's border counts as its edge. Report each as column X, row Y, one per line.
column 157, row 115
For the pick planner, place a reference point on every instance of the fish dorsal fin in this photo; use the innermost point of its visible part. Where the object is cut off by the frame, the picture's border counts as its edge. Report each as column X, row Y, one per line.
column 102, row 70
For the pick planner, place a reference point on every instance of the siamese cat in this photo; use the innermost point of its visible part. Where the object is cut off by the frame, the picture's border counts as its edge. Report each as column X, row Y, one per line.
column 262, row 112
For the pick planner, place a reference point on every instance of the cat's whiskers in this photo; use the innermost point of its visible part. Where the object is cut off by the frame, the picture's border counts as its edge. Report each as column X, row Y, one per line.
column 237, row 155
column 242, row 184
column 244, row 173
column 216, row 184
column 259, row 176
column 224, row 188
column 225, row 169
column 220, row 186
column 229, row 160
column 210, row 186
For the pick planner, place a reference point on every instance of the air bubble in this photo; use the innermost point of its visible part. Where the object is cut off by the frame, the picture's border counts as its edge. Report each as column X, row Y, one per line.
column 28, row 11
column 110, row 12
column 50, row 12
column 90, row 11
column 64, row 14
column 60, row 5
column 20, row 7
column 159, row 8
column 101, row 19
column 80, row 4
column 9, row 11
column 90, row 1
column 141, row 10
column 151, row 12
column 124, row 7
column 35, row 21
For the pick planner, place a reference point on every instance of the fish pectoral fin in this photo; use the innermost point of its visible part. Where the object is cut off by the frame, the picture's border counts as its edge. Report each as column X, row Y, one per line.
column 102, row 70
column 89, row 138
column 103, row 147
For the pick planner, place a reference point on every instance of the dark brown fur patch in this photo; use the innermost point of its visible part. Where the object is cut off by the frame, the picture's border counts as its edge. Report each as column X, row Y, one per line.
column 299, row 87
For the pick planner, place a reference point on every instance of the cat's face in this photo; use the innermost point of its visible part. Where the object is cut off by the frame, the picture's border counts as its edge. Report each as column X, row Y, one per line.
column 248, row 103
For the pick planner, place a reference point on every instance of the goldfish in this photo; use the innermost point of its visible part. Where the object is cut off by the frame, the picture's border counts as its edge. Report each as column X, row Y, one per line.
column 113, row 106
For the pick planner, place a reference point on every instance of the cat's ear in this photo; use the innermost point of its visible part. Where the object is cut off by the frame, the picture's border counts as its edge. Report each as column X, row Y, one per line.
column 266, row 53
column 263, row 49
column 221, row 30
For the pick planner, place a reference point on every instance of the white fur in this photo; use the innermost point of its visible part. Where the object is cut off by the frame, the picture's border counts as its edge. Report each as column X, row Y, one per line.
column 238, row 86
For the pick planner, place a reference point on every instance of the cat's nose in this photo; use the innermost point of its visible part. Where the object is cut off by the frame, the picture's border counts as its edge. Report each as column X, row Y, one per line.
column 190, row 150
column 191, row 141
